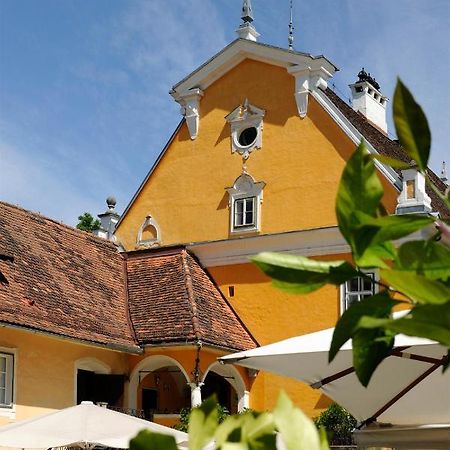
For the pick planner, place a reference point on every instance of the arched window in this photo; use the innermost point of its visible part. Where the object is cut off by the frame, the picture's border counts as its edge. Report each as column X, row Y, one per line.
column 245, row 204
column 149, row 234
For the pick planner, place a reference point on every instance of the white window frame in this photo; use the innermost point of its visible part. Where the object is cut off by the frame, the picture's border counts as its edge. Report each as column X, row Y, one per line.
column 244, row 212
column 344, row 292
column 9, row 410
column 243, row 117
column 245, row 187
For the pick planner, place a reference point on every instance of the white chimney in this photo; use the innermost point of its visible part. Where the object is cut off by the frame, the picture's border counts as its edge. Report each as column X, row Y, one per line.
column 369, row 101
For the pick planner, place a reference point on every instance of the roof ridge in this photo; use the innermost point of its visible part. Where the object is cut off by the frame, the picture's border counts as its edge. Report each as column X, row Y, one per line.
column 56, row 222
column 190, row 293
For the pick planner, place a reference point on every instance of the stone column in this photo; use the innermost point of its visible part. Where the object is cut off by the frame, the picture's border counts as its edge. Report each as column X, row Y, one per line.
column 244, row 401
column 196, row 394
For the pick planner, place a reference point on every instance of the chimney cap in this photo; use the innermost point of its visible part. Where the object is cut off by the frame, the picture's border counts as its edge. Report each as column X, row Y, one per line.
column 364, row 76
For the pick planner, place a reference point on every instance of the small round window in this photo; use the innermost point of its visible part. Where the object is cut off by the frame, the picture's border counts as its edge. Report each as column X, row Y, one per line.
column 248, row 136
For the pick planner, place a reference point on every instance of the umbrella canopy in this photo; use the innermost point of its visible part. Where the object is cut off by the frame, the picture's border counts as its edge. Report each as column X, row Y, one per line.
column 84, row 425
column 406, row 388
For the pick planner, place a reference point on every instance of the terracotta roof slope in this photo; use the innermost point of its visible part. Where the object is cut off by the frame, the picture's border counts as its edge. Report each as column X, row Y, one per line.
column 62, row 281
column 172, row 300
column 386, row 146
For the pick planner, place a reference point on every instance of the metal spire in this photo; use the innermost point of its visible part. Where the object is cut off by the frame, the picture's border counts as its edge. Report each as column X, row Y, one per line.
column 291, row 31
column 443, row 176
column 247, row 11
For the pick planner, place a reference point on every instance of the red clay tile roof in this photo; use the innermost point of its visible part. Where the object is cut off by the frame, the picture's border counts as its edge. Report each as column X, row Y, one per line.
column 62, row 281
column 388, row 147
column 173, row 300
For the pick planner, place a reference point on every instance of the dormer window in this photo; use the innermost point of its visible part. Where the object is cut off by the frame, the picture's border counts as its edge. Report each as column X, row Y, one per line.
column 245, row 204
column 246, row 128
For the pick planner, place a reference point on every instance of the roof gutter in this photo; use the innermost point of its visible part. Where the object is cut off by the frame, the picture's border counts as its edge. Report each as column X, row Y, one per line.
column 113, row 347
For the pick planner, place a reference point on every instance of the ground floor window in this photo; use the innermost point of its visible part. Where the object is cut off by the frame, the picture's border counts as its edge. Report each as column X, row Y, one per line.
column 6, row 380
column 356, row 289
column 100, row 388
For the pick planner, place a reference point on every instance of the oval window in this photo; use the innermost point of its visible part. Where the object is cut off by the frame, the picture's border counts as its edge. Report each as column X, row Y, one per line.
column 248, row 136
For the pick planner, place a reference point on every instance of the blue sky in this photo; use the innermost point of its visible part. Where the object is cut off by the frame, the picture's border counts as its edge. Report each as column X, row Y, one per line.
column 84, row 104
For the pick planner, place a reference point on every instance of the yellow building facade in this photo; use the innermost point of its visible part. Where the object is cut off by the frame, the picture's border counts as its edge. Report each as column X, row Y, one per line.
column 253, row 166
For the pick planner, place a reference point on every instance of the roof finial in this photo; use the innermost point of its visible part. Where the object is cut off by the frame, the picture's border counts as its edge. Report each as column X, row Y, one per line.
column 443, row 176
column 247, row 11
column 246, row 30
column 291, row 30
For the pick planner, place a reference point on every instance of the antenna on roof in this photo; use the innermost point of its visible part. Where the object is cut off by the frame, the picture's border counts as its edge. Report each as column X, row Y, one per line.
column 291, row 29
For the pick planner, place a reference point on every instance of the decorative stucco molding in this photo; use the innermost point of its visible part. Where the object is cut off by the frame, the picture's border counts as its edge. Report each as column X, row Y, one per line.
column 149, row 222
column 190, row 109
column 307, row 80
column 243, row 117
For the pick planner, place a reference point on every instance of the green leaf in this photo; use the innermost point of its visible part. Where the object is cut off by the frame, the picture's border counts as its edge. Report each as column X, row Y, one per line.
column 250, row 430
column 417, row 287
column 411, row 125
column 375, row 256
column 379, row 305
column 359, row 190
column 427, row 258
column 147, row 440
column 427, row 321
column 377, row 230
column 370, row 347
column 297, row 430
column 203, row 422
column 392, row 162
column 301, row 275
column 323, row 439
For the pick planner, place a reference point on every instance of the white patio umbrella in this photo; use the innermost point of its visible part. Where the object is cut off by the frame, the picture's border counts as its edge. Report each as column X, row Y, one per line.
column 407, row 388
column 84, row 425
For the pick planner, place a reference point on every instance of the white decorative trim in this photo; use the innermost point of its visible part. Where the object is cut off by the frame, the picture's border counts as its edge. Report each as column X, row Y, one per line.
column 242, row 49
column 190, row 109
column 246, row 187
column 355, row 136
column 10, row 411
column 243, row 117
column 320, row 241
column 307, row 80
column 313, row 242
column 149, row 221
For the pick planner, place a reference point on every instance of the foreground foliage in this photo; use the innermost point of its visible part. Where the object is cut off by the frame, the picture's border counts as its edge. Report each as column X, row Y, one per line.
column 286, row 427
column 415, row 273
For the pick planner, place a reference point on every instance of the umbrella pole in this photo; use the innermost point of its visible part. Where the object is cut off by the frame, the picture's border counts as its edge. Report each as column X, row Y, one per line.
column 403, row 392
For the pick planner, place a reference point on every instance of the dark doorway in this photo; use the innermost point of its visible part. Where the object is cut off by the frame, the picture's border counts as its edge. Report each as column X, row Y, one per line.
column 99, row 388
column 215, row 384
column 149, row 402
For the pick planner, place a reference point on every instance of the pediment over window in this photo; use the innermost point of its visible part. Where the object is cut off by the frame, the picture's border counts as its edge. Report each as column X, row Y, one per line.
column 245, row 204
column 246, row 123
